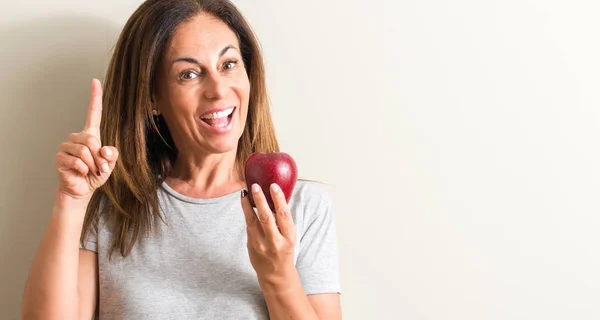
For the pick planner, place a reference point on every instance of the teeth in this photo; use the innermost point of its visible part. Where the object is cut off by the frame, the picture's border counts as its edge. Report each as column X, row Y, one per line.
column 217, row 115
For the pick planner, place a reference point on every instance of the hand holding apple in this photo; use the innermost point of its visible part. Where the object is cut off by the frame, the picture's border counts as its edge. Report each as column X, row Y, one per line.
column 270, row 178
column 267, row 168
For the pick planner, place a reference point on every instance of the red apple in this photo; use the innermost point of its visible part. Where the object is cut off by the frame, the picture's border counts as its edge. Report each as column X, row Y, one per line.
column 267, row 168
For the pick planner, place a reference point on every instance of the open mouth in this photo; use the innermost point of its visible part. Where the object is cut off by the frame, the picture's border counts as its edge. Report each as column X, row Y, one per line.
column 219, row 119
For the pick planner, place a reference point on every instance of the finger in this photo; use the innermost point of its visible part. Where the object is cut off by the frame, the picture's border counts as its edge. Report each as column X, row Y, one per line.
column 252, row 225
column 94, row 115
column 265, row 215
column 65, row 162
column 111, row 154
column 82, row 152
column 283, row 218
column 93, row 143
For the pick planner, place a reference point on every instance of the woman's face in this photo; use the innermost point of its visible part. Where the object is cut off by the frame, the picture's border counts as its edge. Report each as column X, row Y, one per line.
column 202, row 87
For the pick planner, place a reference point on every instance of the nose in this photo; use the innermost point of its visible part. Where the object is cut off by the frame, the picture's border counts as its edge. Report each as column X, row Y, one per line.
column 215, row 86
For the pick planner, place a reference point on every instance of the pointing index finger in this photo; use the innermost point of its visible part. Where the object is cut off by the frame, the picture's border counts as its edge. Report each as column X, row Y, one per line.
column 94, row 115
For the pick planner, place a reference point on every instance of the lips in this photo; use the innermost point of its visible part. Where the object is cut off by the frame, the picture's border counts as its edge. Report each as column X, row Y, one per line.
column 218, row 113
column 219, row 120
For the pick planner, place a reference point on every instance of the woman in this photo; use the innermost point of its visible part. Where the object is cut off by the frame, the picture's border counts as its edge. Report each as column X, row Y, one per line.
column 151, row 218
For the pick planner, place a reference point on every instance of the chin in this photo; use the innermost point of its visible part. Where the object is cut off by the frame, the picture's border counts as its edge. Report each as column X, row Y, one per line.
column 223, row 146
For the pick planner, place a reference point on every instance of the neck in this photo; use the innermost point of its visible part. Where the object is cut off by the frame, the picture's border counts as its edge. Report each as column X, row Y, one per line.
column 205, row 174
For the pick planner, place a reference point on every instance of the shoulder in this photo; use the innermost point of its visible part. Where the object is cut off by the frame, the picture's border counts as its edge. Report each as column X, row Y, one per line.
column 310, row 198
column 310, row 192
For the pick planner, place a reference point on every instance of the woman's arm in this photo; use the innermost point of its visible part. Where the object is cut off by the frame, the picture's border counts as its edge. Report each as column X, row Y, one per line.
column 53, row 288
column 326, row 305
column 286, row 300
column 87, row 285
column 62, row 282
column 271, row 244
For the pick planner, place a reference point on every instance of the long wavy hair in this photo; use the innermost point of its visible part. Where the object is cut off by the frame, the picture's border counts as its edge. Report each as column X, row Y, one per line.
column 147, row 151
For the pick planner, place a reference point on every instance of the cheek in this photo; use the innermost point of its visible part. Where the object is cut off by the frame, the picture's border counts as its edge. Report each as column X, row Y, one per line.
column 243, row 93
column 183, row 97
column 243, row 89
column 240, row 82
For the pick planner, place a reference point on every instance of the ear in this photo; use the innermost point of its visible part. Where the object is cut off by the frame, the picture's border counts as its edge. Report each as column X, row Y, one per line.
column 153, row 107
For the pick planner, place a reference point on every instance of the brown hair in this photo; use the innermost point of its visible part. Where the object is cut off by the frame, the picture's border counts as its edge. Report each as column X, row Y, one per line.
column 147, row 152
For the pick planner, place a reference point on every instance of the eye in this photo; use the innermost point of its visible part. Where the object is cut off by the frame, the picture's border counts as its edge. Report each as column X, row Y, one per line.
column 188, row 75
column 229, row 64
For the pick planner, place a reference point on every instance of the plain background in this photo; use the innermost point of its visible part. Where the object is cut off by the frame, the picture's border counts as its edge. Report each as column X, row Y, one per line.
column 460, row 139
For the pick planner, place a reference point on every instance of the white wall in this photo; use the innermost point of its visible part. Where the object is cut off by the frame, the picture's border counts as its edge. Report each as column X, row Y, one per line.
column 460, row 139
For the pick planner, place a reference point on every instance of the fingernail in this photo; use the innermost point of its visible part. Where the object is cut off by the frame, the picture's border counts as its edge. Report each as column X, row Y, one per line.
column 244, row 193
column 255, row 187
column 274, row 187
column 105, row 167
column 107, row 152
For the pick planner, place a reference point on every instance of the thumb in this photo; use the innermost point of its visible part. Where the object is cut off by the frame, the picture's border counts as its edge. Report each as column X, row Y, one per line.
column 111, row 154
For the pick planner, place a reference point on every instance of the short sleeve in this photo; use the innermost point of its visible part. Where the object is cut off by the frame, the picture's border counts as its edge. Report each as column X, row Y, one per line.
column 91, row 240
column 317, row 262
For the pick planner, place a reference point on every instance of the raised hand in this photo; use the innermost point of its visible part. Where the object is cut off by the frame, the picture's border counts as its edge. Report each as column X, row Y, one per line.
column 83, row 164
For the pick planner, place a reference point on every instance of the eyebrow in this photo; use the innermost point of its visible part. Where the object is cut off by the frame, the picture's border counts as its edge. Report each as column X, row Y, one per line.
column 194, row 61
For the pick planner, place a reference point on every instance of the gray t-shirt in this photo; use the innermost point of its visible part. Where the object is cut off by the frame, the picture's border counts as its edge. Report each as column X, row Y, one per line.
column 197, row 266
